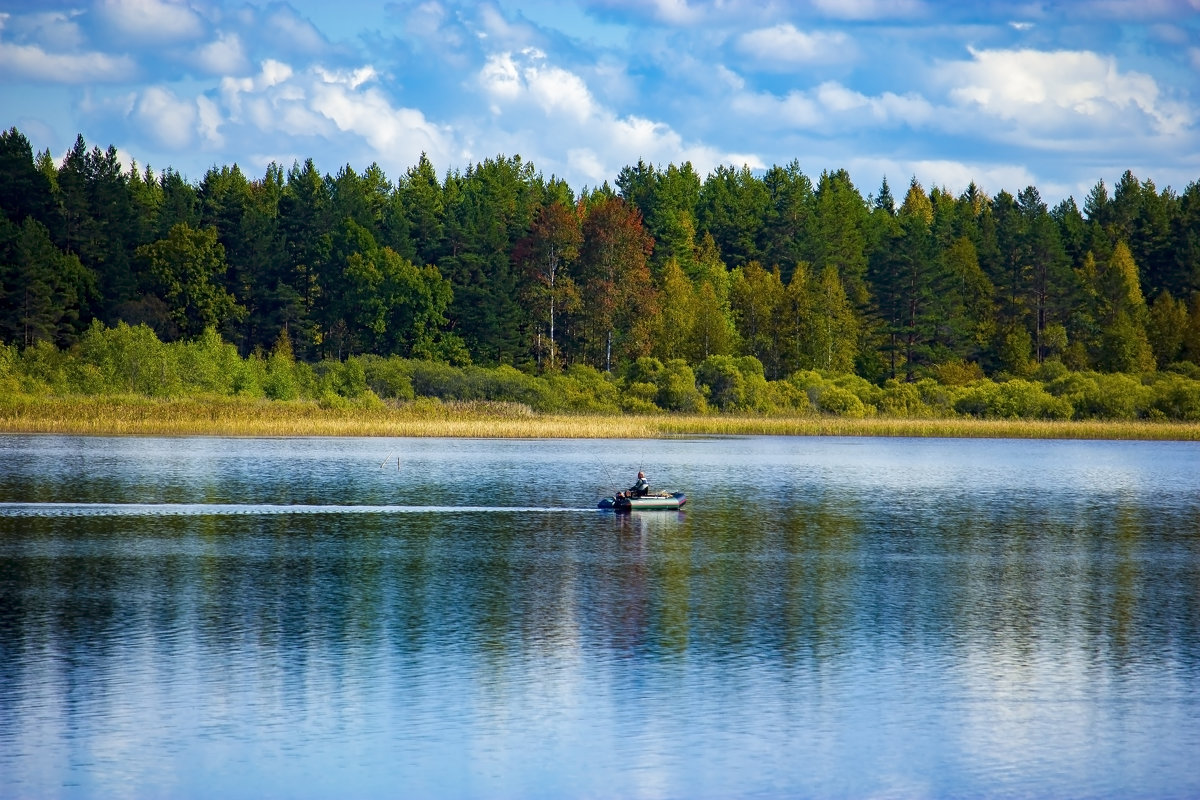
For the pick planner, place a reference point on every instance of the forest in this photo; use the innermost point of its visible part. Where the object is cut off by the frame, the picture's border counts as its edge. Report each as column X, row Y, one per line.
column 680, row 291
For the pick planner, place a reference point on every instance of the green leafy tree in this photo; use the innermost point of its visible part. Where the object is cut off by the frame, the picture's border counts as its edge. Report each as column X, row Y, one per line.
column 188, row 270
column 25, row 191
column 351, row 316
column 41, row 288
column 974, row 318
column 756, row 297
column 98, row 224
column 1048, row 291
column 415, row 301
column 787, row 232
column 1166, row 327
column 733, row 208
column 840, row 237
column 668, row 200
column 421, row 197
column 1185, row 246
column 678, row 313
column 712, row 331
column 305, row 241
column 246, row 216
column 836, row 334
column 1191, row 334
column 1125, row 346
column 489, row 209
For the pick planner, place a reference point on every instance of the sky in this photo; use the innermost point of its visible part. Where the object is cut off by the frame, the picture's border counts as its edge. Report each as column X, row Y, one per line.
column 1058, row 95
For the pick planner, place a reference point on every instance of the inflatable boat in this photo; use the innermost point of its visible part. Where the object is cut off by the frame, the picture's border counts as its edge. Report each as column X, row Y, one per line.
column 655, row 501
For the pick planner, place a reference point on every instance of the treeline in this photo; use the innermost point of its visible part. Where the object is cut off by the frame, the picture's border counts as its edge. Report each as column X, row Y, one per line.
column 498, row 265
column 124, row 361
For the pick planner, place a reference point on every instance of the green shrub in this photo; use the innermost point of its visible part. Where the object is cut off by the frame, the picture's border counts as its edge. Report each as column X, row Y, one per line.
column 677, row 388
column 388, row 378
column 1185, row 368
column 899, row 399
column 759, row 397
column 344, row 378
column 208, row 364
column 863, row 389
column 638, row 398
column 43, row 368
column 279, row 379
column 1175, row 397
column 806, row 379
column 1050, row 370
column 957, row 373
column 435, row 379
column 1014, row 399
column 937, row 398
column 9, row 369
column 507, row 384
column 834, row 399
column 644, row 370
column 723, row 383
column 1097, row 395
column 787, row 397
column 585, row 389
column 132, row 360
column 332, row 401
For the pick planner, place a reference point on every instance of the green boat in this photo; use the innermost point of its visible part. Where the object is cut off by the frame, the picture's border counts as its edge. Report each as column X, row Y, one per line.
column 655, row 501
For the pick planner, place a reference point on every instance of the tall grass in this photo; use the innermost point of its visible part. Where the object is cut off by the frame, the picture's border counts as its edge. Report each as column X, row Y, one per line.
column 233, row 416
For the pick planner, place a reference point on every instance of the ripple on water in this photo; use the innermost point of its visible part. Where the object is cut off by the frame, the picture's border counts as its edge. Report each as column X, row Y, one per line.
column 828, row 617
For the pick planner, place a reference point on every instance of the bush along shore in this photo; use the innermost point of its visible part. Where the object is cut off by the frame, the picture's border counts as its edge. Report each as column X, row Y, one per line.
column 123, row 380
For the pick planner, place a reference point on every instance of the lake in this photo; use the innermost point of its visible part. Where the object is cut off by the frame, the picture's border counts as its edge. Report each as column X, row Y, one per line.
column 828, row 617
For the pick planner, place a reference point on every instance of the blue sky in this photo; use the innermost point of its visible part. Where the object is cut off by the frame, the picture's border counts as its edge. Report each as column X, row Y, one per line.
column 1058, row 95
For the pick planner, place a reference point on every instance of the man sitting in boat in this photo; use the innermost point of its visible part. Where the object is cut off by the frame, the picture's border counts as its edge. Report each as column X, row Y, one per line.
column 641, row 488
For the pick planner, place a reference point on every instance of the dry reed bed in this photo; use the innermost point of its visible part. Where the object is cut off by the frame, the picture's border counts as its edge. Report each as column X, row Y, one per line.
column 237, row 417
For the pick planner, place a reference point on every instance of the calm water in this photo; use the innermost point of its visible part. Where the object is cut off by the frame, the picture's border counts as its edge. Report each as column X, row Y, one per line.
column 452, row 618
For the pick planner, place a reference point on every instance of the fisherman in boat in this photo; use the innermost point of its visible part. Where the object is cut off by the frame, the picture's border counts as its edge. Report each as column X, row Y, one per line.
column 641, row 488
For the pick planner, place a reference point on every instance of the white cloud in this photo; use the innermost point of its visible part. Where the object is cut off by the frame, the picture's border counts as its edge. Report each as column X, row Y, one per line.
column 794, row 110
column 31, row 62
column 152, row 20
column 550, row 116
column 499, row 32
column 52, row 30
column 833, row 106
column 1048, row 92
column 271, row 74
column 675, row 12
column 1139, row 9
column 169, row 120
column 501, row 80
column 553, row 90
column 209, row 121
column 402, row 133
column 297, row 34
column 224, row 56
column 342, row 105
column 953, row 176
column 784, row 46
column 430, row 24
column 870, row 9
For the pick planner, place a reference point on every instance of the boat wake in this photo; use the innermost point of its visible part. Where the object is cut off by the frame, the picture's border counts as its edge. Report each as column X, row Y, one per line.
column 254, row 509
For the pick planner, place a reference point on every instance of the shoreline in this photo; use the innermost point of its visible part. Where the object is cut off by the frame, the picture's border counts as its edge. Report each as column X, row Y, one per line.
column 223, row 416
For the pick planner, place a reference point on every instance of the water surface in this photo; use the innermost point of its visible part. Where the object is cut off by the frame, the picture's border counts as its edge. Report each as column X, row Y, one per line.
column 199, row 617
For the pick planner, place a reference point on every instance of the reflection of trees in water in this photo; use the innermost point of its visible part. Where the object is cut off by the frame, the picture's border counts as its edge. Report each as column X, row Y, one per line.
column 800, row 579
